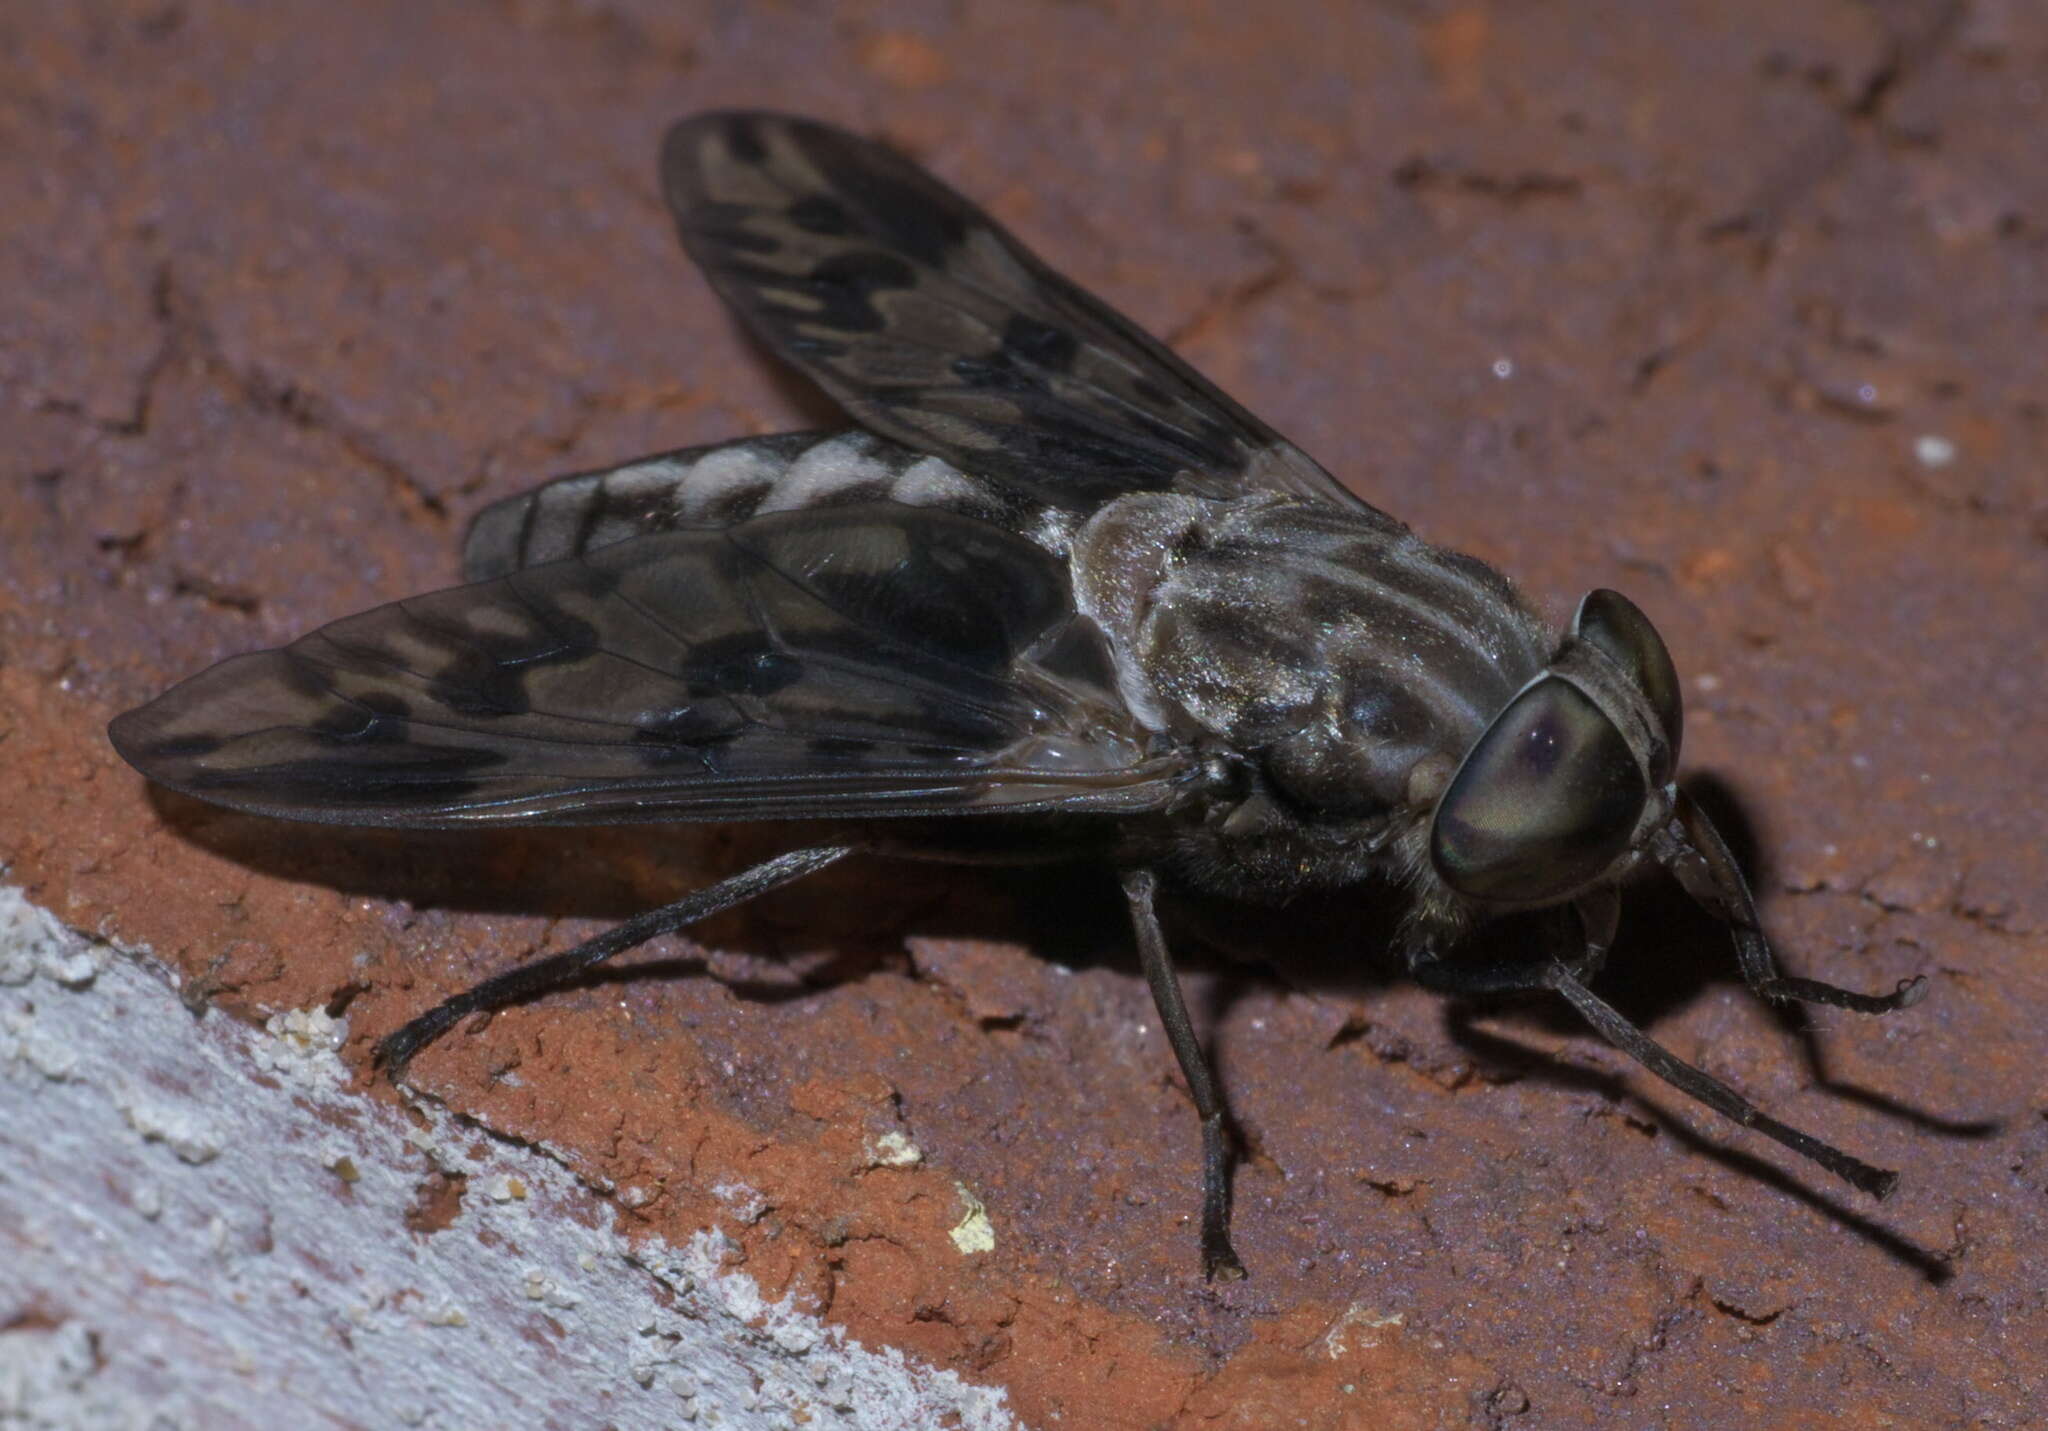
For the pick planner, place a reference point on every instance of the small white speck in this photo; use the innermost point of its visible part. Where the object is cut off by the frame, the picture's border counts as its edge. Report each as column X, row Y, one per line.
column 973, row 1232
column 1707, row 681
column 74, row 969
column 894, row 1150
column 191, row 1139
column 1503, row 367
column 1866, row 393
column 745, row 1203
column 1933, row 450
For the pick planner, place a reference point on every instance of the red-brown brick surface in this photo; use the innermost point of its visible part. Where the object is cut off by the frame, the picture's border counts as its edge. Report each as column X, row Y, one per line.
column 1740, row 307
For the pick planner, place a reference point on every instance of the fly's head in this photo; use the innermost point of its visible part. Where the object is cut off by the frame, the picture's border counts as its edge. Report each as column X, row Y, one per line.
column 1572, row 781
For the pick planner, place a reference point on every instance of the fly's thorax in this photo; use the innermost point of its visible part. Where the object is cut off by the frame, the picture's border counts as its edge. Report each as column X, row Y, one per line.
column 1344, row 665
column 1119, row 562
column 1356, row 662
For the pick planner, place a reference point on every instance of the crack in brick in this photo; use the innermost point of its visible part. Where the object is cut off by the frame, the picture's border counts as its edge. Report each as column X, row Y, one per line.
column 1416, row 174
column 236, row 600
column 1753, row 228
column 1737, row 1312
column 189, row 338
column 1811, row 167
column 1219, row 310
column 164, row 309
column 1643, row 1354
column 1970, row 504
column 1953, row 906
column 309, row 411
column 1231, row 304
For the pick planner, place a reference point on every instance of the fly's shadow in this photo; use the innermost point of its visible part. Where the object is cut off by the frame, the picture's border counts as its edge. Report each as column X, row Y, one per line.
column 837, row 927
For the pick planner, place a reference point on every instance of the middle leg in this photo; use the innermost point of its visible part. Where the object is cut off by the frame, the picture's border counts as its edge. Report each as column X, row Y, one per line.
column 1219, row 1259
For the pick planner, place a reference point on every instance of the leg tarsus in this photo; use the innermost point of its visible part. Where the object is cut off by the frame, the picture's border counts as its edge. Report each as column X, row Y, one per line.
column 1219, row 1259
column 1786, row 989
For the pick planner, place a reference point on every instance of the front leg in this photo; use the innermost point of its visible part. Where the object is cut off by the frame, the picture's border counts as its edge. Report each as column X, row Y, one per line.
column 1706, row 867
column 1434, row 972
column 1599, row 912
column 1219, row 1259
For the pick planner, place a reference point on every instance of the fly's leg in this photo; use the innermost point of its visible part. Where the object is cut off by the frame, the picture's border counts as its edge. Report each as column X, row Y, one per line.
column 1599, row 911
column 1219, row 1259
column 397, row 1049
column 1433, row 972
column 1703, row 863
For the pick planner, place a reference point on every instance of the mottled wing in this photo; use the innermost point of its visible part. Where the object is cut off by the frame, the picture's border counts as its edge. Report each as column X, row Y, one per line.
column 933, row 326
column 860, row 661
column 728, row 482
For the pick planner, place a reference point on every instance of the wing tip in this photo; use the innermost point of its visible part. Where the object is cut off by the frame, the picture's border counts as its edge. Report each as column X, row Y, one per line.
column 739, row 135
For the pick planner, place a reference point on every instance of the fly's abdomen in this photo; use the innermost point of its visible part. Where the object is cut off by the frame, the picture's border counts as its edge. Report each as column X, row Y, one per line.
column 726, row 483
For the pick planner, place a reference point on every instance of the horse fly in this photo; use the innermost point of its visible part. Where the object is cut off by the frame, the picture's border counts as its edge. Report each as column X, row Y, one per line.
column 1054, row 595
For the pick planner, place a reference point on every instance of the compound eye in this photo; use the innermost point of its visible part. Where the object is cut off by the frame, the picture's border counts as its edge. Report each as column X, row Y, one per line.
column 1618, row 627
column 1544, row 802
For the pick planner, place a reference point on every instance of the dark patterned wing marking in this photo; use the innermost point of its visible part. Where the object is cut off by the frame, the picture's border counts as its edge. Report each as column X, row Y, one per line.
column 862, row 660
column 728, row 482
column 933, row 326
